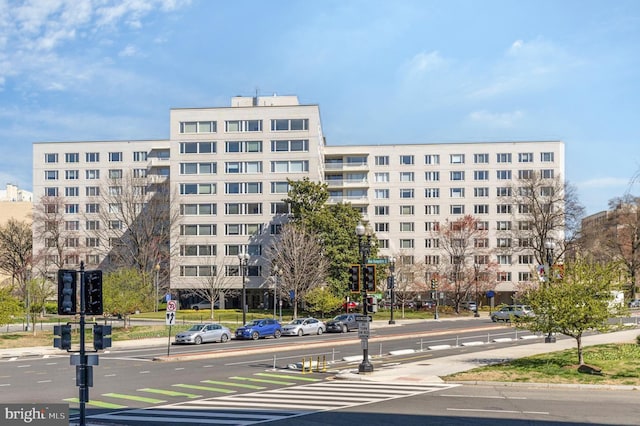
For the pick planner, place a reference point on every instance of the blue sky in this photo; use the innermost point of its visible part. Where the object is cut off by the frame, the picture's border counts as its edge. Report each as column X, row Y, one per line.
column 382, row 72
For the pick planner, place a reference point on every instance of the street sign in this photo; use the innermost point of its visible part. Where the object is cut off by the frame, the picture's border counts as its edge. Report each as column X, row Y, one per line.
column 378, row 260
column 172, row 306
column 363, row 330
column 490, row 293
column 171, row 318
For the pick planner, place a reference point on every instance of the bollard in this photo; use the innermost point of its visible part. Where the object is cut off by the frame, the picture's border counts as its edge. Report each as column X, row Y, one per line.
column 318, row 364
column 274, row 362
column 304, row 365
column 324, row 363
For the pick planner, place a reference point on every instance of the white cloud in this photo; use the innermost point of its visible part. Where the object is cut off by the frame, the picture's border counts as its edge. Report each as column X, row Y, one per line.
column 129, row 50
column 425, row 62
column 491, row 119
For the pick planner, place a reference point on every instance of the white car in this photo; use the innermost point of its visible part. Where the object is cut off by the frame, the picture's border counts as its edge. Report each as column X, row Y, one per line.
column 202, row 333
column 204, row 305
column 302, row 326
column 635, row 303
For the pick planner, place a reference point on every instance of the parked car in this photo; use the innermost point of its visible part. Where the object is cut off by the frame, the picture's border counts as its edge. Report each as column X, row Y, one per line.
column 505, row 313
column 259, row 328
column 204, row 305
column 468, row 305
column 202, row 333
column 351, row 305
column 635, row 303
column 301, row 326
column 343, row 323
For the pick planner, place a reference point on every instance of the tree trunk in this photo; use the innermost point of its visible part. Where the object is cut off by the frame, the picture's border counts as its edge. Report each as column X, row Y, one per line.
column 580, row 354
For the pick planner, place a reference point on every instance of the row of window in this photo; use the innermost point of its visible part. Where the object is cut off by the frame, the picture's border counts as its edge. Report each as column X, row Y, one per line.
column 277, row 125
column 434, row 159
column 297, row 145
column 92, row 174
column 94, row 157
column 382, row 177
column 458, row 192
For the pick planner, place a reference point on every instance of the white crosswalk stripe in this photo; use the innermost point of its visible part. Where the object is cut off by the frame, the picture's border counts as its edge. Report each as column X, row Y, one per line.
column 273, row 404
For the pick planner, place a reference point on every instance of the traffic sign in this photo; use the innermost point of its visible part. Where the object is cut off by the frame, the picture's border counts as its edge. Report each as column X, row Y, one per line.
column 171, row 318
column 378, row 260
column 172, row 306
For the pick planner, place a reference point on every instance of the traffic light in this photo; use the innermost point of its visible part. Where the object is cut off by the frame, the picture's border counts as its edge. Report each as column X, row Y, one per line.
column 67, row 292
column 354, row 278
column 100, row 339
column 434, row 284
column 372, row 304
column 64, row 339
column 93, row 292
column 369, row 277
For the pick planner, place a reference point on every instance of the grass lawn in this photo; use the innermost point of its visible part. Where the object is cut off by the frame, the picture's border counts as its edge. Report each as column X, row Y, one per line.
column 619, row 364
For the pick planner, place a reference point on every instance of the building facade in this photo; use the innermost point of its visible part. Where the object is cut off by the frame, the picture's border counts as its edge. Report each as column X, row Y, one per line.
column 227, row 168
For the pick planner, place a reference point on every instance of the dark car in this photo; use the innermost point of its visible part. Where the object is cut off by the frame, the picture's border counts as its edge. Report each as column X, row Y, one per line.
column 259, row 328
column 343, row 323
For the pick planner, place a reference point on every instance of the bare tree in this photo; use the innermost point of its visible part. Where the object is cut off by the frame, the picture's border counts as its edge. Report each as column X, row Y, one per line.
column 214, row 287
column 408, row 280
column 298, row 254
column 544, row 209
column 59, row 238
column 16, row 253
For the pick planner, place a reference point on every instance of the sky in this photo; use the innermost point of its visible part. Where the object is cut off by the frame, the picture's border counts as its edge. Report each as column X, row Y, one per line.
column 382, row 72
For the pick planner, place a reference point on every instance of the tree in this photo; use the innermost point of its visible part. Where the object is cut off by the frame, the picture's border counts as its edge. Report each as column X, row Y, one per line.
column 406, row 284
column 124, row 292
column 577, row 301
column 334, row 224
column 9, row 306
column 213, row 287
column 298, row 254
column 59, row 238
column 321, row 300
column 16, row 257
column 544, row 209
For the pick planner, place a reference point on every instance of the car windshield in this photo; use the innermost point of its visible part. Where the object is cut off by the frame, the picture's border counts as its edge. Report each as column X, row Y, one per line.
column 341, row 317
column 252, row 323
column 196, row 327
column 296, row 321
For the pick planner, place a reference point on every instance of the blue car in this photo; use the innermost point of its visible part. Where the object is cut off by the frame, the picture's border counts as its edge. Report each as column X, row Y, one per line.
column 259, row 328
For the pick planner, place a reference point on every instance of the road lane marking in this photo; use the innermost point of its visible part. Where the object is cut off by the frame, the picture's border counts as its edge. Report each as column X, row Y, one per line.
column 273, row 382
column 480, row 410
column 240, row 385
column 169, row 392
column 100, row 404
column 207, row 388
column 482, row 396
column 285, row 376
column 134, row 398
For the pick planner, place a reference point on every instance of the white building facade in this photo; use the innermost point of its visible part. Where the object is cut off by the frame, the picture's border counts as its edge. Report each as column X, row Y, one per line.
column 228, row 169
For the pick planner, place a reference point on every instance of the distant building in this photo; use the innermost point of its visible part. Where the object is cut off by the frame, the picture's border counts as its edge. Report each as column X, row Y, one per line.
column 15, row 203
column 228, row 169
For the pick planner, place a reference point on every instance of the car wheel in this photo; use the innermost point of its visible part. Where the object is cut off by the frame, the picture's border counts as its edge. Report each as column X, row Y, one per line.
column 494, row 319
column 300, row 333
column 277, row 334
column 224, row 338
column 345, row 329
column 320, row 331
column 255, row 335
column 197, row 340
column 195, row 308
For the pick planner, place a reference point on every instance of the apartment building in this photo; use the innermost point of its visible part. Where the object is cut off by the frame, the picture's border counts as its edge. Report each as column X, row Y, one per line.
column 228, row 168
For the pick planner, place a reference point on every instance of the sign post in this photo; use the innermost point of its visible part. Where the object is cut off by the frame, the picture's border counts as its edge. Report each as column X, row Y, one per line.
column 170, row 320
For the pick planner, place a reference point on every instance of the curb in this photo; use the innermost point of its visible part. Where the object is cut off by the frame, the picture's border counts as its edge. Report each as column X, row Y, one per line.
column 580, row 386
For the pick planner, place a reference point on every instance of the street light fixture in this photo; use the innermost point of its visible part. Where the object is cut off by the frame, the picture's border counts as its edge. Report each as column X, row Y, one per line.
column 392, row 287
column 157, row 269
column 549, row 246
column 364, row 245
column 276, row 300
column 244, row 260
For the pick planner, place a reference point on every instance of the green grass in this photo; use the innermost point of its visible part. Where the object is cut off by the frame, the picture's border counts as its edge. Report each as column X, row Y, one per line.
column 619, row 364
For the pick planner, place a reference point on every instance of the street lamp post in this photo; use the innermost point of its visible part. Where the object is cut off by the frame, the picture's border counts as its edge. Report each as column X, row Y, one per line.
column 275, row 271
column 475, row 269
column 364, row 245
column 244, row 260
column 549, row 246
column 157, row 269
column 392, row 287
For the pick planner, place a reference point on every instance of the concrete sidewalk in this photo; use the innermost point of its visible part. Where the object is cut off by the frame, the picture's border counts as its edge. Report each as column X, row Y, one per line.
column 431, row 371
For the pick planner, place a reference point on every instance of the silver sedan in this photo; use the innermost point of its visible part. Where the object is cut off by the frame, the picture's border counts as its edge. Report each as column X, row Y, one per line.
column 201, row 333
column 301, row 326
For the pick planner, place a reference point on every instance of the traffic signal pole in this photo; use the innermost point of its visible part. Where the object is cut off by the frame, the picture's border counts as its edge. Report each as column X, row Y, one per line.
column 81, row 370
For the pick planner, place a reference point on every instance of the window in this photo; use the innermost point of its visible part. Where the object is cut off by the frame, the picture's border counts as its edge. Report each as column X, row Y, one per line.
column 198, row 127
column 71, row 191
column 547, row 191
column 503, row 191
column 50, row 158
column 525, row 259
column 280, row 125
column 198, row 250
column 51, row 191
column 432, row 176
column 72, row 157
column 381, row 193
column 198, row 229
column 92, row 157
column 481, row 175
column 139, row 173
column 69, row 225
column 546, row 174
column 381, row 210
column 381, row 226
column 432, row 192
column 298, row 145
column 406, row 244
column 92, row 225
column 525, row 225
column 433, row 209
column 71, row 208
column 92, row 191
column 279, row 187
column 115, row 157
column 481, row 209
column 140, row 156
column 432, row 226
column 525, row 276
column 243, row 126
column 71, row 242
column 290, row 166
column 525, row 174
column 525, row 157
column 482, row 225
column 92, row 242
column 406, row 192
column 406, row 210
column 503, row 225
column 51, row 175
column 115, row 174
column 197, row 188
column 279, row 208
column 432, row 159
column 115, row 224
column 406, row 176
column 456, row 158
column 504, row 259
column 71, row 174
column 432, row 260
column 406, row 159
column 503, row 158
column 406, row 227
column 92, row 174
column 382, row 160
column 456, row 175
column 546, row 157
column 457, row 209
column 481, row 243
column 481, row 259
column 381, row 177
column 481, row 158
column 431, row 243
column 503, row 174
column 503, row 242
column 456, row 192
column 524, row 208
column 197, row 147
column 525, row 242
column 503, row 208
column 481, row 192
column 92, row 208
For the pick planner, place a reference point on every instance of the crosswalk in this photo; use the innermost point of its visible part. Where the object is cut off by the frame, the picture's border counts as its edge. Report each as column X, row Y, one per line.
column 270, row 405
